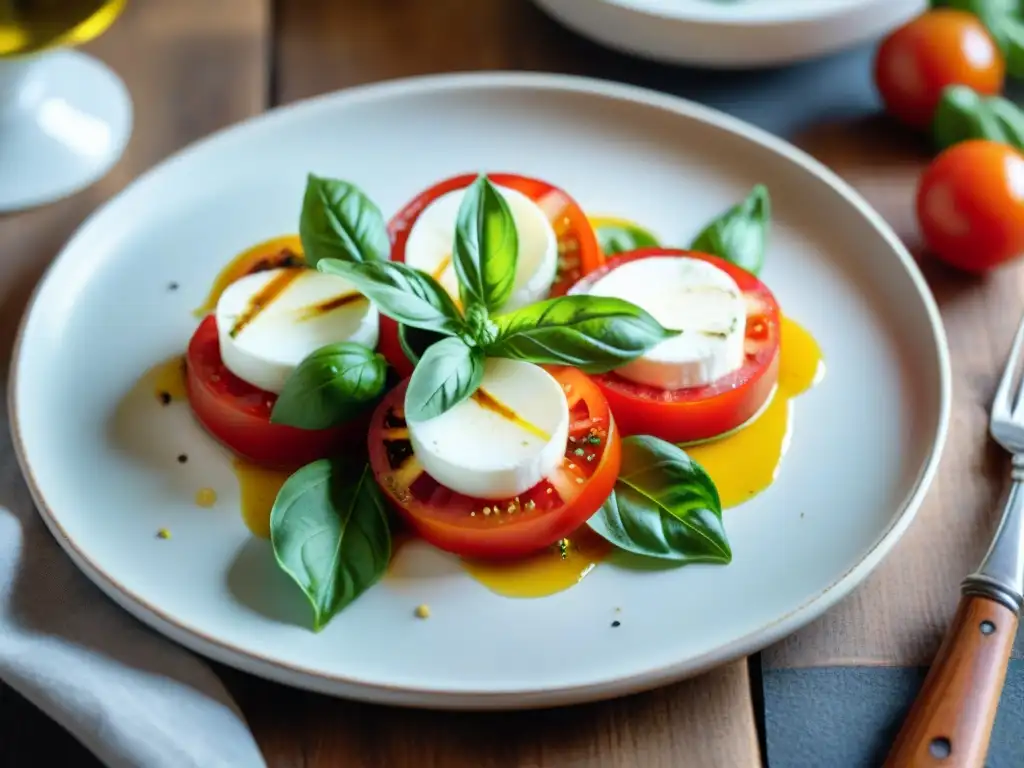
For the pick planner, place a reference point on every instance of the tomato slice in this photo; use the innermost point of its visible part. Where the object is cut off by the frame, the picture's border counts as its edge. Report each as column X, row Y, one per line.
column 578, row 249
column 238, row 414
column 549, row 511
column 699, row 413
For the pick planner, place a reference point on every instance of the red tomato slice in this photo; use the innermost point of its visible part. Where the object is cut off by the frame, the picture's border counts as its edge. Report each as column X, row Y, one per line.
column 549, row 511
column 238, row 414
column 699, row 413
column 578, row 249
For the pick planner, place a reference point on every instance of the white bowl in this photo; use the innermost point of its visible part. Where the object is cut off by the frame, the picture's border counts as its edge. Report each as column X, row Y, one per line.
column 736, row 34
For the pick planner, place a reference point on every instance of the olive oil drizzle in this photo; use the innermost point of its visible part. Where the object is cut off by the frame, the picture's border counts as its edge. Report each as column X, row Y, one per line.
column 264, row 298
column 488, row 402
column 445, row 263
column 329, row 305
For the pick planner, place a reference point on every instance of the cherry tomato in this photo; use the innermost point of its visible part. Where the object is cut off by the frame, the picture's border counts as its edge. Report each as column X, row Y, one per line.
column 238, row 414
column 939, row 48
column 578, row 250
column 549, row 511
column 970, row 205
column 699, row 413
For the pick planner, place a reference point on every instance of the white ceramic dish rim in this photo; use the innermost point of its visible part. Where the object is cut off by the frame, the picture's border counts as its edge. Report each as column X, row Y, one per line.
column 295, row 675
column 748, row 14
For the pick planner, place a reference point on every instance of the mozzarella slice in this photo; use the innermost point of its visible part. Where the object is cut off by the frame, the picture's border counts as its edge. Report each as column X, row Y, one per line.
column 268, row 322
column 432, row 239
column 694, row 297
column 503, row 440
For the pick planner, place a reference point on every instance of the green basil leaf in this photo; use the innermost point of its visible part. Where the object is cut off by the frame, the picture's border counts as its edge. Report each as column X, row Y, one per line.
column 1013, row 34
column 482, row 329
column 330, row 534
column 331, row 386
column 1011, row 119
column 740, row 234
column 964, row 114
column 486, row 247
column 448, row 373
column 592, row 333
column 404, row 294
column 664, row 505
column 338, row 221
column 415, row 341
column 620, row 238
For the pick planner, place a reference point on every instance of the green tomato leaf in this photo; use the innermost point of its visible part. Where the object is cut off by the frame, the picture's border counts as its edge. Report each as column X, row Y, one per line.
column 964, row 114
column 334, row 384
column 620, row 238
column 448, row 373
column 740, row 234
column 592, row 333
column 404, row 294
column 486, row 247
column 664, row 505
column 338, row 221
column 330, row 534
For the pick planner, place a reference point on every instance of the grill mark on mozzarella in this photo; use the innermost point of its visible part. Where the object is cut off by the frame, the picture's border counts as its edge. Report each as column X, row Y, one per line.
column 264, row 298
column 488, row 402
column 329, row 305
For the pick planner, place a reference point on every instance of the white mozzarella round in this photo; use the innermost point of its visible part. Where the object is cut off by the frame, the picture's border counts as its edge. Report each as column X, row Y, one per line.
column 688, row 295
column 503, row 440
column 268, row 322
column 432, row 239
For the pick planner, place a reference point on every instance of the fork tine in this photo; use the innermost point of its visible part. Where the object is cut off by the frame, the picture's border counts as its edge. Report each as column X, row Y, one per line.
column 1001, row 404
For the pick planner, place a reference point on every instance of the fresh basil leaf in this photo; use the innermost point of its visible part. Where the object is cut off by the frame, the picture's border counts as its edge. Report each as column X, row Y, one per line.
column 486, row 247
column 592, row 333
column 331, row 386
column 1013, row 51
column 415, row 341
column 740, row 234
column 448, row 373
column 964, row 114
column 1011, row 119
column 330, row 534
column 482, row 329
column 404, row 294
column 620, row 238
column 338, row 221
column 664, row 505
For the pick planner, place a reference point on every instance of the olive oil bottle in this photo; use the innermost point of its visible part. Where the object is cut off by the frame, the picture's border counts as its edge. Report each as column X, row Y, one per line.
column 30, row 26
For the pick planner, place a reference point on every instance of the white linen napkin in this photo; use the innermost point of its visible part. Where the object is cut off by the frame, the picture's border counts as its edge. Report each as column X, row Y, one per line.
column 130, row 696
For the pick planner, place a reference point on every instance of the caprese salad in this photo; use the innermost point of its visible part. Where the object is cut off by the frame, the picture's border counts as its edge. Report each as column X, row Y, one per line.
column 493, row 367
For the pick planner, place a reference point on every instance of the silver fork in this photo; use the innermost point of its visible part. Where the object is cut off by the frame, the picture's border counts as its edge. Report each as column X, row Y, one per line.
column 951, row 721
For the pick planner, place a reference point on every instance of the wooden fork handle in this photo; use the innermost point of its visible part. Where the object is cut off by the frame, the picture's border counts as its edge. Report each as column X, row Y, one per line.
column 951, row 720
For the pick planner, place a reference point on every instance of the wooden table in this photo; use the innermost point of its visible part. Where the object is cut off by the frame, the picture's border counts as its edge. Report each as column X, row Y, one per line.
column 194, row 66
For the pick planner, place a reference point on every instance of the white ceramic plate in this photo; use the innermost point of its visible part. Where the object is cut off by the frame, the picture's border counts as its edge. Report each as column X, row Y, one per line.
column 732, row 33
column 100, row 456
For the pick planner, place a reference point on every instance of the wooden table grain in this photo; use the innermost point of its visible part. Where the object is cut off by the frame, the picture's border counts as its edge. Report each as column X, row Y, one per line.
column 194, row 66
